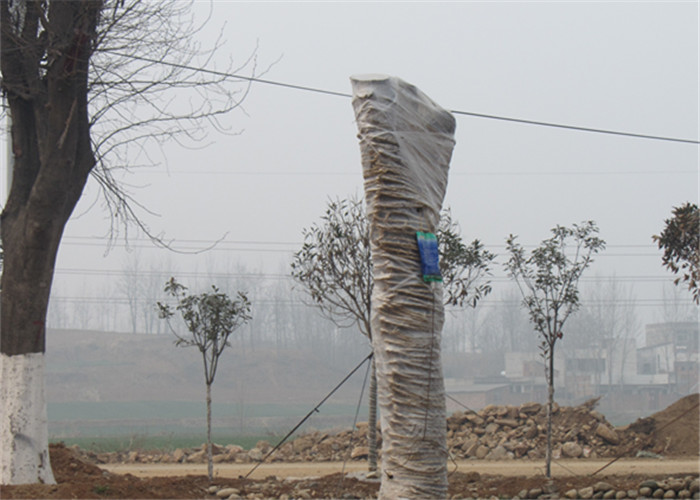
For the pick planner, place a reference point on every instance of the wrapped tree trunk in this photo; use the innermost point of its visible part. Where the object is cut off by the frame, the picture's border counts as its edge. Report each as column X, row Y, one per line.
column 406, row 141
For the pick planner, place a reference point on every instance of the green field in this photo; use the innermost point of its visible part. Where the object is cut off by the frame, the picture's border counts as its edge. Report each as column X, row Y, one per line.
column 174, row 410
column 166, row 443
column 154, row 425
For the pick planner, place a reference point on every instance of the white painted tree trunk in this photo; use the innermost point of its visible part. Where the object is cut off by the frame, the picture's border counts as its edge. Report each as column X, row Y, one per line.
column 406, row 141
column 23, row 422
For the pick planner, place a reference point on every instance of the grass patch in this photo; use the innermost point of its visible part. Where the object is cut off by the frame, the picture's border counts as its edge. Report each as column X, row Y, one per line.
column 101, row 489
column 163, row 443
column 174, row 410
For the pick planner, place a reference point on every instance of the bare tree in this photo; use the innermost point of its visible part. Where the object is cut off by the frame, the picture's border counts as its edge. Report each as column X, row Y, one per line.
column 677, row 305
column 513, row 323
column 130, row 286
column 89, row 85
column 611, row 307
column 604, row 330
column 211, row 318
column 548, row 281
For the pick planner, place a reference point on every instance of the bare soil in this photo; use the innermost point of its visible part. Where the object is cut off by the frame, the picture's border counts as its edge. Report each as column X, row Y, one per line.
column 79, row 479
column 507, row 468
column 673, row 432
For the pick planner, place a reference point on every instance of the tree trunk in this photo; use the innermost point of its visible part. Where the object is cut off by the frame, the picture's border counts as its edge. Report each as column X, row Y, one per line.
column 406, row 142
column 24, row 455
column 550, row 408
column 372, row 421
column 28, row 265
column 210, row 457
column 52, row 158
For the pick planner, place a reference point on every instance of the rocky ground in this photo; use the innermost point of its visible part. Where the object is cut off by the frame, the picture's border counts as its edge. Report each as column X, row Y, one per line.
column 494, row 433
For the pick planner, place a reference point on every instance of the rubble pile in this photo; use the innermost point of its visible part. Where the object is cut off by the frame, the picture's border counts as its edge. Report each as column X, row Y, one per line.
column 502, row 432
column 492, row 433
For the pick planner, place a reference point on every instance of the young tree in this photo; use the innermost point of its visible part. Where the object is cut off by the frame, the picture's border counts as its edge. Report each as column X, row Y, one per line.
column 88, row 87
column 211, row 318
column 334, row 267
column 548, row 280
column 680, row 241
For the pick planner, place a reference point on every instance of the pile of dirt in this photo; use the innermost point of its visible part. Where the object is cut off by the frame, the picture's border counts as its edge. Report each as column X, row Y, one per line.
column 673, row 431
column 77, row 478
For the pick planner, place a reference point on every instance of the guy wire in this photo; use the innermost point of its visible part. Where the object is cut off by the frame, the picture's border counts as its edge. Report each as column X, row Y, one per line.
column 315, row 409
column 354, row 422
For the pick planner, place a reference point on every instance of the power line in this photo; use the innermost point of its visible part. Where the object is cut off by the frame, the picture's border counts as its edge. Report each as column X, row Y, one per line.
column 197, row 241
column 456, row 112
column 485, row 303
column 233, row 75
column 298, row 243
column 574, row 127
column 223, row 248
column 293, row 247
column 474, row 173
column 281, row 276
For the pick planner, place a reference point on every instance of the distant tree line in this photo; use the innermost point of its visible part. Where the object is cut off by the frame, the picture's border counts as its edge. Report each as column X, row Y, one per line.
column 282, row 316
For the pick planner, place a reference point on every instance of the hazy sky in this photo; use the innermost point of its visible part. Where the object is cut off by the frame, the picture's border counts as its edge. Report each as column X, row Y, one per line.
column 627, row 66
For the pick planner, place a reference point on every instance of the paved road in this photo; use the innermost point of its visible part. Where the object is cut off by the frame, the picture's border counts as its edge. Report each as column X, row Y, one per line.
column 506, row 468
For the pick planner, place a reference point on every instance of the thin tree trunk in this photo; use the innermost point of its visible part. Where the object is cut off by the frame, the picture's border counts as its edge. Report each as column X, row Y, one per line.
column 406, row 141
column 372, row 421
column 210, row 458
column 550, row 408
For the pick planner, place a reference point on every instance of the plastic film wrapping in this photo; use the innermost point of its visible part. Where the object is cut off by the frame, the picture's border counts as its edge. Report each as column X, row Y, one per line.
column 406, row 142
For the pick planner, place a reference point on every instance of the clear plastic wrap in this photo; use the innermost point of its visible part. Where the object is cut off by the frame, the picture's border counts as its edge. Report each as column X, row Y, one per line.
column 406, row 142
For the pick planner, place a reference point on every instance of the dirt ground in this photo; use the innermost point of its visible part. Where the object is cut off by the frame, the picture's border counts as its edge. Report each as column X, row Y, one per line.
column 79, row 479
column 506, row 468
column 673, row 431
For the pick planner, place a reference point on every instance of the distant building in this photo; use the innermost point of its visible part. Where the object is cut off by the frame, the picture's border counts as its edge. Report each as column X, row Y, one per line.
column 633, row 379
column 671, row 355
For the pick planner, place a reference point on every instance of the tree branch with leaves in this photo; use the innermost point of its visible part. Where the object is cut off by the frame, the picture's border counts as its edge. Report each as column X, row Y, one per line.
column 680, row 241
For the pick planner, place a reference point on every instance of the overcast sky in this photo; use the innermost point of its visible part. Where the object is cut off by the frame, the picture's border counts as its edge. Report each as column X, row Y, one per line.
column 625, row 66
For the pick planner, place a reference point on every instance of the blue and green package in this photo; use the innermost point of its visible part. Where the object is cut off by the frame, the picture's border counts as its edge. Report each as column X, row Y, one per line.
column 429, row 256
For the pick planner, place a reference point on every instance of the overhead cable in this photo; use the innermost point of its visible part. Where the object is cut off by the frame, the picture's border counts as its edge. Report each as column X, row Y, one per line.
column 456, row 112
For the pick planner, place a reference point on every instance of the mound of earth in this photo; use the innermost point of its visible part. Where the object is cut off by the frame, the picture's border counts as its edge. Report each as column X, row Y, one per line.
column 79, row 479
column 673, row 431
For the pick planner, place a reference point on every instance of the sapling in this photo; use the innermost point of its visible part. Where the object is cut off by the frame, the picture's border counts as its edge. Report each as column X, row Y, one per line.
column 211, row 317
